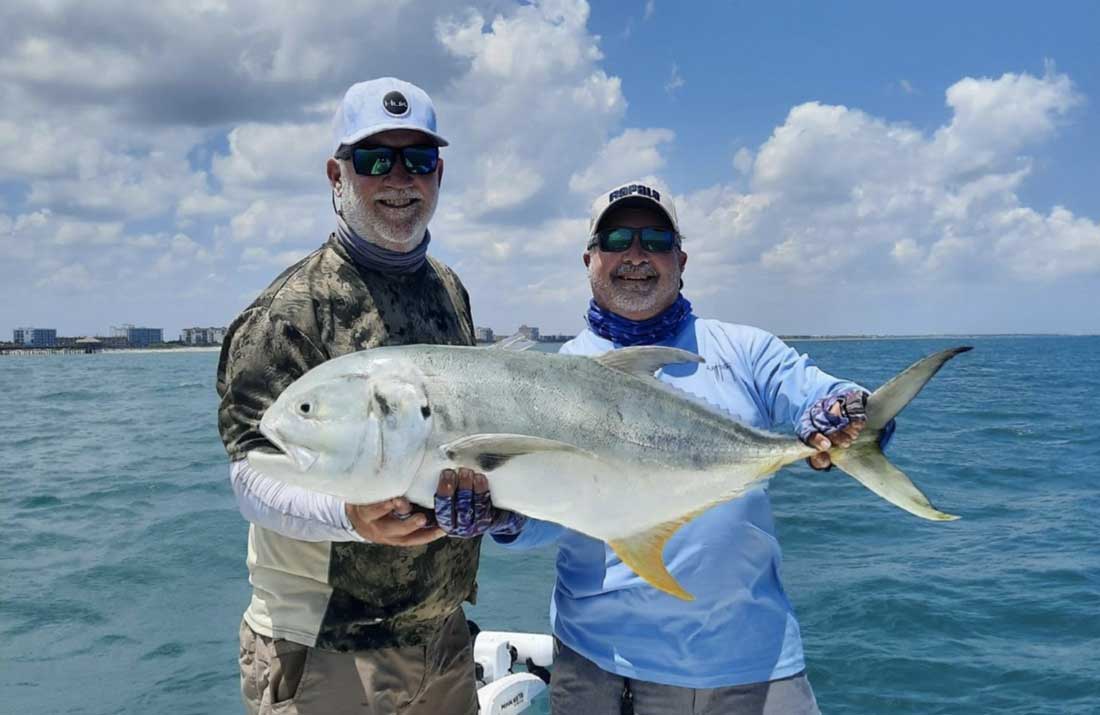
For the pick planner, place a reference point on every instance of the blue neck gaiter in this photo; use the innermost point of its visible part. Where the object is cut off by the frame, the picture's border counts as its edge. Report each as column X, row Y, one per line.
column 376, row 258
column 624, row 331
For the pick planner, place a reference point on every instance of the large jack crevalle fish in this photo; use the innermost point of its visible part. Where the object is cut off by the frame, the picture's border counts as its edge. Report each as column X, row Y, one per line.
column 596, row 444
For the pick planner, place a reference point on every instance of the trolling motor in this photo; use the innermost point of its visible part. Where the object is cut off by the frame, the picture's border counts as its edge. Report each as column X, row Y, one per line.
column 501, row 690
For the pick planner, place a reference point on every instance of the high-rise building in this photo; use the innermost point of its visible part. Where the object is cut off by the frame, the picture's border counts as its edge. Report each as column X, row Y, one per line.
column 35, row 337
column 138, row 337
column 202, row 336
column 483, row 335
column 529, row 332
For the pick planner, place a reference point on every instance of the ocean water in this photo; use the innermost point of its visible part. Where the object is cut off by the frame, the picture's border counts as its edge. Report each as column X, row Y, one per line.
column 122, row 553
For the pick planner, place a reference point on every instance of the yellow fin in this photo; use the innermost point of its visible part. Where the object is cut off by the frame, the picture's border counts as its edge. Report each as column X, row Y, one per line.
column 644, row 554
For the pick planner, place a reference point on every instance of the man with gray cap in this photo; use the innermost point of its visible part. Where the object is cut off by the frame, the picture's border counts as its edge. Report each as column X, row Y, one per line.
column 622, row 645
column 355, row 608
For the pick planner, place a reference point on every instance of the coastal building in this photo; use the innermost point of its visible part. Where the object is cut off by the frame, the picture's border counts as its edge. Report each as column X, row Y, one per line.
column 35, row 337
column 114, row 342
column 138, row 337
column 529, row 332
column 484, row 335
column 202, row 336
column 559, row 338
column 89, row 345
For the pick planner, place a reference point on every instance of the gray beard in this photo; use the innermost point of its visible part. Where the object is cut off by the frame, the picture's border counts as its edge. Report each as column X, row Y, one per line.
column 403, row 236
column 621, row 299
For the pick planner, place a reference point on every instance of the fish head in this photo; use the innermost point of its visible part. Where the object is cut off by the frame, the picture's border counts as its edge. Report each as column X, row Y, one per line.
column 357, row 430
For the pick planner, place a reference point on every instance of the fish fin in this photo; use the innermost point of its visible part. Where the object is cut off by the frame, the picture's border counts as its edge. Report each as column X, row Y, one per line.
column 643, row 361
column 489, row 451
column 644, row 554
column 517, row 342
column 890, row 399
column 869, row 466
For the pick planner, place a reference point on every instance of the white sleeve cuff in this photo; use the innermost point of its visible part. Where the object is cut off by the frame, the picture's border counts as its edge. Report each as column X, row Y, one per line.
column 288, row 510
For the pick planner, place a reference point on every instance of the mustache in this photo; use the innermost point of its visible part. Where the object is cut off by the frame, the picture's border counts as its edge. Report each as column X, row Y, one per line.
column 642, row 270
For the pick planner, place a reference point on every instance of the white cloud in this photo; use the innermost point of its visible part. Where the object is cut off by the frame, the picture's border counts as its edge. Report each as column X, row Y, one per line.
column 275, row 156
column 994, row 118
column 113, row 176
column 1048, row 247
column 181, row 254
column 33, row 150
column 204, row 204
column 17, row 245
column 306, row 221
column 254, row 258
column 675, row 81
column 633, row 154
column 530, row 109
column 247, row 58
column 70, row 278
column 742, row 160
column 81, row 233
column 836, row 192
column 650, row 9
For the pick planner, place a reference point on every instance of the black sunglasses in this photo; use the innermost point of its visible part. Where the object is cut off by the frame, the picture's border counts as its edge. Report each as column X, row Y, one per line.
column 653, row 240
column 380, row 160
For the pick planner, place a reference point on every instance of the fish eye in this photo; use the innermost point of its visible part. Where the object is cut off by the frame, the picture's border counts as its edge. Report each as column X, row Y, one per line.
column 305, row 408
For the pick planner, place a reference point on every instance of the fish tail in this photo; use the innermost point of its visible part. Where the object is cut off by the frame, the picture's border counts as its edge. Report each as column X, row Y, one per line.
column 869, row 466
column 890, row 399
column 865, row 462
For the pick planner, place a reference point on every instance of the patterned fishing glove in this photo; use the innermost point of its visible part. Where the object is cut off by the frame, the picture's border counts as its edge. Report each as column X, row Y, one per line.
column 820, row 418
column 470, row 513
column 853, row 407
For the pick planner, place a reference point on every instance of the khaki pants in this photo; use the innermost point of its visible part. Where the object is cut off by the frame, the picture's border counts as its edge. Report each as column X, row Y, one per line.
column 282, row 677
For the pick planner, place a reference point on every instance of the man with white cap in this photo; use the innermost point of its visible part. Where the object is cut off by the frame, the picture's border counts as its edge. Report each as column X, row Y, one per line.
column 355, row 608
column 622, row 645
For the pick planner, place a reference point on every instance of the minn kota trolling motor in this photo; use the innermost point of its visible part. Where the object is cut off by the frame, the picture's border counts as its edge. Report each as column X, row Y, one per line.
column 500, row 689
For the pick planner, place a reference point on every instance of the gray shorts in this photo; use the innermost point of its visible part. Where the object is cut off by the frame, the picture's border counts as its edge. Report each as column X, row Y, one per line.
column 580, row 687
column 282, row 677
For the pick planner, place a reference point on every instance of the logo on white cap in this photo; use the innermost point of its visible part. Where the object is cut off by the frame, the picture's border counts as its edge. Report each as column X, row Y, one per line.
column 395, row 104
column 633, row 192
column 640, row 189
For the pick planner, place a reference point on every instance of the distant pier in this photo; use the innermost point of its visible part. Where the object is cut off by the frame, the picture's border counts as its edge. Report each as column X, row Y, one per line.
column 28, row 351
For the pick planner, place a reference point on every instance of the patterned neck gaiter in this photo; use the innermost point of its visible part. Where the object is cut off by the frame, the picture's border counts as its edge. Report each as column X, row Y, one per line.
column 376, row 258
column 623, row 331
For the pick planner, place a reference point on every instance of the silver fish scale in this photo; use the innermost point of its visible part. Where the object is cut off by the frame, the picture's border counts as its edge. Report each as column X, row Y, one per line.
column 578, row 401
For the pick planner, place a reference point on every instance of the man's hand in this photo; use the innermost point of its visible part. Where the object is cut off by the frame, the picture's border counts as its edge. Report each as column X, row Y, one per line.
column 463, row 507
column 833, row 421
column 392, row 523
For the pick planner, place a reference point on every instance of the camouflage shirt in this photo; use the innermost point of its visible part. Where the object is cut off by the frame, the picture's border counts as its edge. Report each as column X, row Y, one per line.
column 341, row 595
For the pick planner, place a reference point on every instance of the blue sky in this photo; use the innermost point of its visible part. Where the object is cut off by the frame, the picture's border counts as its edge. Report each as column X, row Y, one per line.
column 933, row 167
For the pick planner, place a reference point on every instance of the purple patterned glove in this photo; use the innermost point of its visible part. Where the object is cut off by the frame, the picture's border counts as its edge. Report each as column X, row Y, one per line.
column 467, row 514
column 853, row 406
column 819, row 418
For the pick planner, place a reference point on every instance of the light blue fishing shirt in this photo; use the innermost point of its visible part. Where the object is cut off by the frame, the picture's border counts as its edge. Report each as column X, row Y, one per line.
column 741, row 627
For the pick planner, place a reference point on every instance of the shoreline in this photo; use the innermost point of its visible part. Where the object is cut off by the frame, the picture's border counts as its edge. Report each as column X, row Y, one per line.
column 159, row 351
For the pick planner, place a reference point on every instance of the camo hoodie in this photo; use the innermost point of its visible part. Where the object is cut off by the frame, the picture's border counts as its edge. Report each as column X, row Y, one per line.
column 341, row 596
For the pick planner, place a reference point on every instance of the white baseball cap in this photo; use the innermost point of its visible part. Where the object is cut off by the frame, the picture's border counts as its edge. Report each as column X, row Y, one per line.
column 635, row 193
column 382, row 104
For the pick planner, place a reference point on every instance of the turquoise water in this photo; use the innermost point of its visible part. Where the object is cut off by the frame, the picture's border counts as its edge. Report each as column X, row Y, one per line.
column 122, row 554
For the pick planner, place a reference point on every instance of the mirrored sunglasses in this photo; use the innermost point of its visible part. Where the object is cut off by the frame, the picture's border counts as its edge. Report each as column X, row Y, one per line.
column 653, row 240
column 380, row 160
